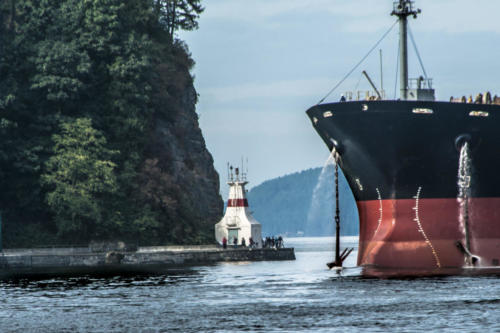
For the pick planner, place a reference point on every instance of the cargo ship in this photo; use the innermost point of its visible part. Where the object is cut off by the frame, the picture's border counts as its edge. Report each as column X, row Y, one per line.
column 424, row 173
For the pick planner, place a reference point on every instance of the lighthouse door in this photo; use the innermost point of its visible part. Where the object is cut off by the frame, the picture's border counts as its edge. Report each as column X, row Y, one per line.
column 232, row 234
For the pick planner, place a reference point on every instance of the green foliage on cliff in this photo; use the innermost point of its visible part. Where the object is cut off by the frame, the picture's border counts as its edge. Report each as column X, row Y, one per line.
column 302, row 203
column 82, row 85
column 79, row 176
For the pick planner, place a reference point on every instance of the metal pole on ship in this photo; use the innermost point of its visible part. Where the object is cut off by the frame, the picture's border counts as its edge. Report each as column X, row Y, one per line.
column 402, row 10
column 403, row 46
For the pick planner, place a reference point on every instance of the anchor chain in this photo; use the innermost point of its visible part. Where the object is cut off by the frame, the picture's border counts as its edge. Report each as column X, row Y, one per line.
column 339, row 257
column 337, row 209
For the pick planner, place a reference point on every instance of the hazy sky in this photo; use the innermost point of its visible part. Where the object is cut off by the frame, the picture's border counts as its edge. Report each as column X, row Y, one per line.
column 260, row 64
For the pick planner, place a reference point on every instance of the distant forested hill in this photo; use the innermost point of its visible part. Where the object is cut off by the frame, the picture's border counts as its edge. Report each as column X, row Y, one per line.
column 303, row 202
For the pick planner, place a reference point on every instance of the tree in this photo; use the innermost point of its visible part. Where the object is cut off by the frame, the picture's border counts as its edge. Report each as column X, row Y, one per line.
column 79, row 176
column 178, row 14
column 84, row 86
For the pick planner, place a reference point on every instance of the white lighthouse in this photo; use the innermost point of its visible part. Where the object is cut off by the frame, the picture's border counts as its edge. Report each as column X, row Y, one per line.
column 238, row 222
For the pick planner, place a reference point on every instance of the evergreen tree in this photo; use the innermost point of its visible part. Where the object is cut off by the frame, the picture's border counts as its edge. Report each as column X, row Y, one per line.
column 80, row 174
column 178, row 14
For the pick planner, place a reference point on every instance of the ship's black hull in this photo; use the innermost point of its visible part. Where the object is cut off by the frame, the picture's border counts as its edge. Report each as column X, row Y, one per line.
column 390, row 148
column 401, row 159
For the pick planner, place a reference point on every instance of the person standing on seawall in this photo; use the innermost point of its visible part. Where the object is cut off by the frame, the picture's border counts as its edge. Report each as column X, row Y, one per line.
column 224, row 242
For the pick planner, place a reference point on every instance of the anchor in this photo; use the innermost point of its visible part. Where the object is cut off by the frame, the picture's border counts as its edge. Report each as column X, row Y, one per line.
column 339, row 257
column 470, row 258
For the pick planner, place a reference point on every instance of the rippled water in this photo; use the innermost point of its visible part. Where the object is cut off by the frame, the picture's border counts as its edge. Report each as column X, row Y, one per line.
column 291, row 296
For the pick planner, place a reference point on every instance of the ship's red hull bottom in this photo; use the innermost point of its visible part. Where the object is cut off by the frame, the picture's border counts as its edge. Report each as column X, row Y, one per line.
column 422, row 234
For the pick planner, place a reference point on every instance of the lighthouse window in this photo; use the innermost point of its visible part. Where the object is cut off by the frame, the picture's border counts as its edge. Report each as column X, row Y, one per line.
column 479, row 114
column 423, row 111
column 327, row 114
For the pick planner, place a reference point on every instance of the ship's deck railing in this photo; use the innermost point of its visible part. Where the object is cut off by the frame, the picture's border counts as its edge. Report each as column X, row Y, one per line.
column 367, row 95
column 363, row 95
column 420, row 83
column 485, row 98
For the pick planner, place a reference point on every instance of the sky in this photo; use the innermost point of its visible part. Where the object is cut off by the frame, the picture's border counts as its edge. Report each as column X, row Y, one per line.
column 260, row 64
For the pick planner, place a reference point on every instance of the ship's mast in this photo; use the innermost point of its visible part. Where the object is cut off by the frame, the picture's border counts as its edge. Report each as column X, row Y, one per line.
column 403, row 9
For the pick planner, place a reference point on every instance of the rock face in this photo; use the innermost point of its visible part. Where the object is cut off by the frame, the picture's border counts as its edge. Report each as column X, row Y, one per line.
column 192, row 164
column 178, row 173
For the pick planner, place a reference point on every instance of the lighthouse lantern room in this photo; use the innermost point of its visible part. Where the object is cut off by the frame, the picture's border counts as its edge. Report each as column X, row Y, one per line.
column 238, row 222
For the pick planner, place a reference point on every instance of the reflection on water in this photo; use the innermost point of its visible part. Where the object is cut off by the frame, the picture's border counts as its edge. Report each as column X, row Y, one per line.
column 298, row 296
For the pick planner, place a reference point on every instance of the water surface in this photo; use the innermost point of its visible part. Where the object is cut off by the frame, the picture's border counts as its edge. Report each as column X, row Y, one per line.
column 289, row 296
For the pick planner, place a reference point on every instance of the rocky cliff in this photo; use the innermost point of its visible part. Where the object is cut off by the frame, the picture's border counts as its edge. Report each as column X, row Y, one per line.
column 178, row 173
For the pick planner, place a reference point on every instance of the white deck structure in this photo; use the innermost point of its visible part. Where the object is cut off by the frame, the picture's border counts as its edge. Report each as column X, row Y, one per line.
column 238, row 222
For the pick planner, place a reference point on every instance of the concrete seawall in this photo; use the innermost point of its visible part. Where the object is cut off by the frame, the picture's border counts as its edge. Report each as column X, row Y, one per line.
column 18, row 263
